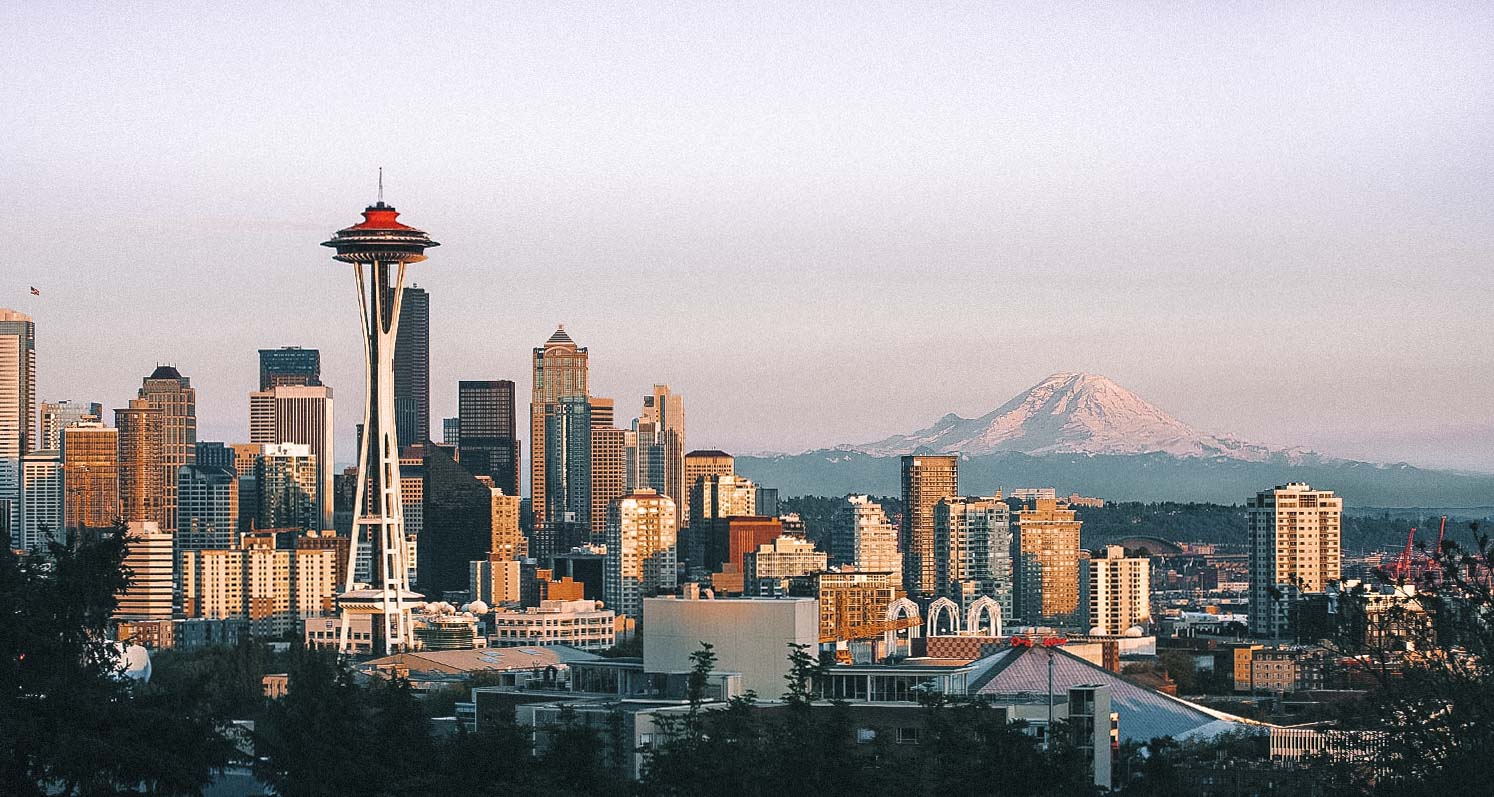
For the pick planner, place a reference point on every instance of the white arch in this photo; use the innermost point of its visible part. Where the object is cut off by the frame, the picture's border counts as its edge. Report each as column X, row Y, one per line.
column 987, row 605
column 943, row 607
column 903, row 609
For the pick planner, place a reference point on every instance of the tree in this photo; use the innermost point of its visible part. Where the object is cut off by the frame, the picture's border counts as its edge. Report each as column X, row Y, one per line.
column 1429, row 657
column 329, row 736
column 70, row 721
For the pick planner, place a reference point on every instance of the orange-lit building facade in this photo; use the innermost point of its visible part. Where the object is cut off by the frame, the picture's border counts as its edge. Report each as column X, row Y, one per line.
column 90, row 476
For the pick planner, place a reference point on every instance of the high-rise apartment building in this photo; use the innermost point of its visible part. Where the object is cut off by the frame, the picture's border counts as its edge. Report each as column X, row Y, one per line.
column 17, row 410
column 58, row 415
column 207, row 507
column 289, row 366
column 863, row 538
column 1117, row 591
column 660, row 447
column 926, row 481
column 560, row 371
column 641, row 554
column 285, row 477
column 150, row 559
column 487, row 437
column 90, row 476
column 273, row 588
column 1045, row 571
column 300, row 415
column 412, row 368
column 141, row 437
column 972, row 550
column 173, row 393
column 1295, row 547
column 41, row 504
column 609, row 470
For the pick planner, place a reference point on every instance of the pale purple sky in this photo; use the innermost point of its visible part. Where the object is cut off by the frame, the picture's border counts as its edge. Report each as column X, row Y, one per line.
column 821, row 224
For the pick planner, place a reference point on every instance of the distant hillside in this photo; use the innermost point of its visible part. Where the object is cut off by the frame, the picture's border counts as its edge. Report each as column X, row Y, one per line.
column 1136, row 477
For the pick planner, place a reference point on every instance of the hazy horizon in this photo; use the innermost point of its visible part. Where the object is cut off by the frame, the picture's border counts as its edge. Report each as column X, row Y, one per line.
column 820, row 225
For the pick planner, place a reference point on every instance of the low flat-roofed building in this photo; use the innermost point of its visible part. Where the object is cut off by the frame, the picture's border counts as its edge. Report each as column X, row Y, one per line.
column 750, row 636
column 581, row 624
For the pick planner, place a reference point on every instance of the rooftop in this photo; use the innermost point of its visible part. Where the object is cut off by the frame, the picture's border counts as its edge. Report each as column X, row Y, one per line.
column 485, row 659
column 1145, row 713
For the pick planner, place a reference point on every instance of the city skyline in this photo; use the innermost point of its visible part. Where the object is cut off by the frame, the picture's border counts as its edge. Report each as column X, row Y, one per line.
column 952, row 177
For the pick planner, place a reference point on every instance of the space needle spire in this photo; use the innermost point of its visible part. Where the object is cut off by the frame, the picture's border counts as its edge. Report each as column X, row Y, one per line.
column 379, row 248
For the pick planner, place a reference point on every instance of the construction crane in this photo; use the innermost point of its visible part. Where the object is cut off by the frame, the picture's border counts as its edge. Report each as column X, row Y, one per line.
column 1407, row 565
column 1402, row 567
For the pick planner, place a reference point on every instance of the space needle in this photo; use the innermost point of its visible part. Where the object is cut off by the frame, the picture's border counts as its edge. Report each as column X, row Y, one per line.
column 379, row 248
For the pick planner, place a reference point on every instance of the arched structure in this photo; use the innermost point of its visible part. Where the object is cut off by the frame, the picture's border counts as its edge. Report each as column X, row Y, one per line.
column 945, row 608
column 903, row 609
column 987, row 606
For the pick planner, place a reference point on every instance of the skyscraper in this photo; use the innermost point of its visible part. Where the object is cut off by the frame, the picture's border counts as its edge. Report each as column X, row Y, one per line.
column 707, row 463
column 661, row 443
column 864, row 538
column 1045, row 571
column 1117, row 590
column 640, row 551
column 926, row 480
column 487, row 434
column 1295, row 547
column 568, row 462
column 57, row 415
column 214, row 454
column 972, row 550
column 301, row 415
column 609, row 472
column 17, row 410
column 207, row 507
column 506, row 541
column 141, row 437
column 150, row 560
column 41, row 504
column 285, row 479
column 451, row 432
column 560, row 370
column 90, row 476
column 245, row 463
column 173, row 393
column 412, row 368
column 459, row 513
column 714, row 498
column 289, row 366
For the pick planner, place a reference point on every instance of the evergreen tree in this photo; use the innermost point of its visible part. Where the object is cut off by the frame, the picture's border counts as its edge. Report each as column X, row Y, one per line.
column 71, row 723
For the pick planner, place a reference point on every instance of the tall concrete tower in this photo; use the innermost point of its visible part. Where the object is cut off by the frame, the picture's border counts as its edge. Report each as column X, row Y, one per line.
column 379, row 248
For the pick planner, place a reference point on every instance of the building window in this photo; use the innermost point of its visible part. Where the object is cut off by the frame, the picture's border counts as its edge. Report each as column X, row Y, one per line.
column 907, row 736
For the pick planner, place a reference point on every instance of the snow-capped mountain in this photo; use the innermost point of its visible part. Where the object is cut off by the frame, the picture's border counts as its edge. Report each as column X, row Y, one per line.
column 1073, row 413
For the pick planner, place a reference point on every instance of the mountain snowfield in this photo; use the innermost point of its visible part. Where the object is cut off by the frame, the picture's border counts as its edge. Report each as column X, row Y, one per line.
column 1074, row 413
column 1084, row 433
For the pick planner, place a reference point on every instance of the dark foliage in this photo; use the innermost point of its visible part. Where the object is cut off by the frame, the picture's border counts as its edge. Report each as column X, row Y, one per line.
column 70, row 722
